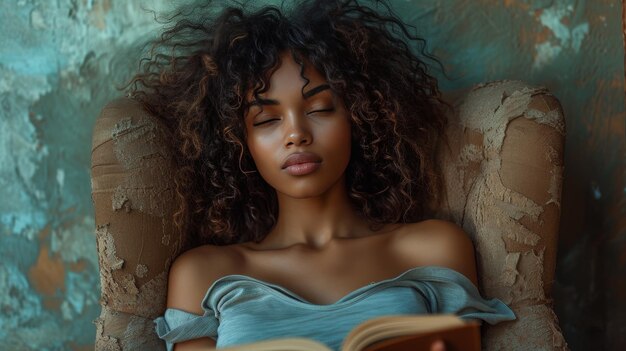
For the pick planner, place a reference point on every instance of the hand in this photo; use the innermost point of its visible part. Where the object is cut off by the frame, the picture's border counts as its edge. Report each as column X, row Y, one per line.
column 438, row 346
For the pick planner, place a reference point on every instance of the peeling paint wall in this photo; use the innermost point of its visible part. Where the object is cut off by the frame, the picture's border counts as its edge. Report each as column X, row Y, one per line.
column 60, row 61
column 575, row 49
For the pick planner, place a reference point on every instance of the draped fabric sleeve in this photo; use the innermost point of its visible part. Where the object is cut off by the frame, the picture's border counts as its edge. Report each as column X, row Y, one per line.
column 178, row 326
column 449, row 291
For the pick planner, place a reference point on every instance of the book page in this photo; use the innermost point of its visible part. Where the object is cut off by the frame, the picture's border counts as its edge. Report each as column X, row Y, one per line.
column 283, row 344
column 380, row 328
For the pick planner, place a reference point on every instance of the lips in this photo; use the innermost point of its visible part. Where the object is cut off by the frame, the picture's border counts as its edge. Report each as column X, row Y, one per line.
column 301, row 157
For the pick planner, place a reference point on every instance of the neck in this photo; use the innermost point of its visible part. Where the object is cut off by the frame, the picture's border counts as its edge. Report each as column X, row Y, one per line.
column 315, row 221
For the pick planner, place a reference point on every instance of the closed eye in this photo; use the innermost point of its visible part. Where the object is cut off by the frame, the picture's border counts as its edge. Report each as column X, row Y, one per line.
column 266, row 121
column 308, row 113
column 324, row 110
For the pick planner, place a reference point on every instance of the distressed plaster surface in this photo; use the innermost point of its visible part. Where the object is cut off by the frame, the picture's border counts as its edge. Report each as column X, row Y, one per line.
column 60, row 61
column 508, row 210
column 132, row 190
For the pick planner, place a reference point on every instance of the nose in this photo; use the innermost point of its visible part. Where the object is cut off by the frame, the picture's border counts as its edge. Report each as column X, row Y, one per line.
column 298, row 132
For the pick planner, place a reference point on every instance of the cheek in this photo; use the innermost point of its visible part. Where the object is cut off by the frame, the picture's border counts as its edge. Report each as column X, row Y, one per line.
column 341, row 137
column 261, row 150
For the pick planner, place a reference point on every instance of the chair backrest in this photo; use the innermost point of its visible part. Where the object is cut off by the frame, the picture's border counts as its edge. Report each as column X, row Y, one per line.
column 502, row 185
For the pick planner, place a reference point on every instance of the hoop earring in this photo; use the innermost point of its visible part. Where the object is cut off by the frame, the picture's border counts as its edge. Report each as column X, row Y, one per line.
column 241, row 157
column 246, row 172
column 241, row 168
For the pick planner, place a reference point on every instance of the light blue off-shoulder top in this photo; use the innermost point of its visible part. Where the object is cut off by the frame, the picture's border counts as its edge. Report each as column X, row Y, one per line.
column 239, row 309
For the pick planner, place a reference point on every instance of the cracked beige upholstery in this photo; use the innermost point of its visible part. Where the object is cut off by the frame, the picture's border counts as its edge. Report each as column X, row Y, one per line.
column 503, row 165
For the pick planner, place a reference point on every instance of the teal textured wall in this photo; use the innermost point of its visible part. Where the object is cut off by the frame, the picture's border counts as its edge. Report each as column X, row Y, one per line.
column 575, row 49
column 60, row 61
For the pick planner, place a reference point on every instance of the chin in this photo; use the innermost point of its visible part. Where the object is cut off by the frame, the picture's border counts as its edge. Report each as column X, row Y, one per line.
column 307, row 186
column 304, row 192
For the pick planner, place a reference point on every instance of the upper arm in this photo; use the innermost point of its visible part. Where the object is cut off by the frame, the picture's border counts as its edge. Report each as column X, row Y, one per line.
column 186, row 283
column 439, row 243
column 190, row 276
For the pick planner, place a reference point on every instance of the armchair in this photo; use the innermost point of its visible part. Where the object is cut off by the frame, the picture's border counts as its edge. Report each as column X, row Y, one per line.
column 503, row 165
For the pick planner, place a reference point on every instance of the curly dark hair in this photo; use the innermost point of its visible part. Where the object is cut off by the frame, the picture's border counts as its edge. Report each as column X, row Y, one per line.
column 198, row 72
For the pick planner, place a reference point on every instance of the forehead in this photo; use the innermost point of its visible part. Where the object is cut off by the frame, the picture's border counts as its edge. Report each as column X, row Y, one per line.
column 287, row 78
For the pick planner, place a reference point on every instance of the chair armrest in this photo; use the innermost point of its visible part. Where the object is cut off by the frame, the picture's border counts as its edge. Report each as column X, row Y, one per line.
column 503, row 170
column 134, row 200
column 532, row 165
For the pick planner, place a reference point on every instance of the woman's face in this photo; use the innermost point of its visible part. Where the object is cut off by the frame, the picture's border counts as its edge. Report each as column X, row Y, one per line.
column 300, row 143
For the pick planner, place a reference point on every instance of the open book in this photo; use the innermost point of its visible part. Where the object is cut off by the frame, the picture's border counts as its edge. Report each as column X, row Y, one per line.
column 388, row 333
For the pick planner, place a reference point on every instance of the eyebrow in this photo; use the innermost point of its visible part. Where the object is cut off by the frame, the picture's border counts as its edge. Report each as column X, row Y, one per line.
column 306, row 95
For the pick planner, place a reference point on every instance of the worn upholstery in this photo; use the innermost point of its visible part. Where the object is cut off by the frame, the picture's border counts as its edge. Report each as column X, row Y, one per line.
column 503, row 165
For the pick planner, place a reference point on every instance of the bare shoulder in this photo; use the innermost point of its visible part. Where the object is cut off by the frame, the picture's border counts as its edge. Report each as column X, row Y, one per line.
column 436, row 242
column 193, row 272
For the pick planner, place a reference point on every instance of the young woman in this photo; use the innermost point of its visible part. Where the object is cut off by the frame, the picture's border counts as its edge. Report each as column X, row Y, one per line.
column 307, row 181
